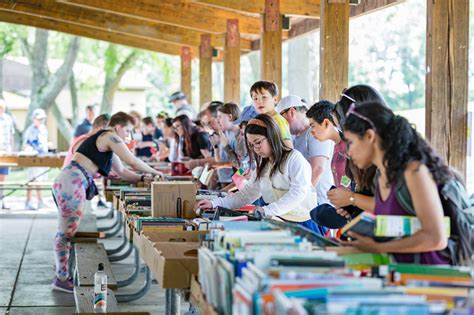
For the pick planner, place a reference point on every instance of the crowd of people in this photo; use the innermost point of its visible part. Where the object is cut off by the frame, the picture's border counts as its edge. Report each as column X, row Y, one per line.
column 318, row 165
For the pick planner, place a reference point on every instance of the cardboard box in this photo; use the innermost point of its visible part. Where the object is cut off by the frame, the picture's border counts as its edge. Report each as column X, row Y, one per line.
column 164, row 199
column 182, row 236
column 172, row 257
column 198, row 299
column 174, row 263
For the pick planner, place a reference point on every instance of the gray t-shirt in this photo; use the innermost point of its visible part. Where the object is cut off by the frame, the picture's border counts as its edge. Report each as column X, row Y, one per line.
column 225, row 174
column 311, row 147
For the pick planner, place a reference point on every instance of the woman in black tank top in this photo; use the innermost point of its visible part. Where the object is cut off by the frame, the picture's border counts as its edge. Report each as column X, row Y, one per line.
column 100, row 153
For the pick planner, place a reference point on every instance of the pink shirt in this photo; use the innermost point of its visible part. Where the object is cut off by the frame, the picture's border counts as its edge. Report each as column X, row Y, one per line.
column 73, row 147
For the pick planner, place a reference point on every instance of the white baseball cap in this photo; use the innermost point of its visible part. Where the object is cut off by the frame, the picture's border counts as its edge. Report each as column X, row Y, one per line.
column 39, row 113
column 290, row 101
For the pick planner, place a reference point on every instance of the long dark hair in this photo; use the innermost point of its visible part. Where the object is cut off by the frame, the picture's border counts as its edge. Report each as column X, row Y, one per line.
column 360, row 93
column 400, row 142
column 272, row 132
column 188, row 131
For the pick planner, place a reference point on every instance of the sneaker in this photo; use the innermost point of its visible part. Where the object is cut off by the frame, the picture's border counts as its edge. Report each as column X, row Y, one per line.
column 63, row 286
column 29, row 206
column 41, row 205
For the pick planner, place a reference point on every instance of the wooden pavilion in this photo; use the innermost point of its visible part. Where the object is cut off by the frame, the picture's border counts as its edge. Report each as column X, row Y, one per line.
column 225, row 29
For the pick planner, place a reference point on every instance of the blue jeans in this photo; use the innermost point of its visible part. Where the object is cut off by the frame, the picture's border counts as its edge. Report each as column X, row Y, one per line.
column 318, row 229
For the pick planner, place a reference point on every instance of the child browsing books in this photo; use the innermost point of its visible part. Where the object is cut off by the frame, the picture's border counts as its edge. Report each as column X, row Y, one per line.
column 282, row 177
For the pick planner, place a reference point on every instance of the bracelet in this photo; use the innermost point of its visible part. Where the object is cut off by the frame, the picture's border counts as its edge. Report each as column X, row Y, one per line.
column 352, row 199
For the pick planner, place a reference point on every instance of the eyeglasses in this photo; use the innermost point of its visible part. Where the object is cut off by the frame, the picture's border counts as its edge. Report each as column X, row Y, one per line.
column 352, row 111
column 175, row 127
column 257, row 144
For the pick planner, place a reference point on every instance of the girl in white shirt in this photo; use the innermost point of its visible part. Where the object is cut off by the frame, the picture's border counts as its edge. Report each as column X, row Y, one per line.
column 282, row 177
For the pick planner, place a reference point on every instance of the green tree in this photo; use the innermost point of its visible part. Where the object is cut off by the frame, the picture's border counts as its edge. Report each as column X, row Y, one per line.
column 115, row 67
column 46, row 86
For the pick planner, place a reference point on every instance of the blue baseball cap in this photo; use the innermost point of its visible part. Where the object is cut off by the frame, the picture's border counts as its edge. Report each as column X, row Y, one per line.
column 248, row 113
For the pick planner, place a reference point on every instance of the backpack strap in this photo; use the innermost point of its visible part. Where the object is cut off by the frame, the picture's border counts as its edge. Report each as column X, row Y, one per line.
column 403, row 196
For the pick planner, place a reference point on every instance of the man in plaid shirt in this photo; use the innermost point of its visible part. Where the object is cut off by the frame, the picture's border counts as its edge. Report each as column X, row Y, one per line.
column 7, row 130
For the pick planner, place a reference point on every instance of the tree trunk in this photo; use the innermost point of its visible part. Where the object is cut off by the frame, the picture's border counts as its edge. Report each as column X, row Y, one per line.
column 112, row 81
column 45, row 87
column 64, row 127
column 74, row 101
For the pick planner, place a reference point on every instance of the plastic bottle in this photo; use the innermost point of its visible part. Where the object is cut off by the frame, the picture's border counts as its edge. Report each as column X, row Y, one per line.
column 100, row 290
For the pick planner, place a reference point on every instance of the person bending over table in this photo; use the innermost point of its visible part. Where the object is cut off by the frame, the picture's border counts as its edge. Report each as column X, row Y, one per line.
column 282, row 177
column 100, row 153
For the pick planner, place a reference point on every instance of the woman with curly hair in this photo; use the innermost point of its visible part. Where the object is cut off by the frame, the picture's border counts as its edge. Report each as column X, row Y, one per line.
column 376, row 136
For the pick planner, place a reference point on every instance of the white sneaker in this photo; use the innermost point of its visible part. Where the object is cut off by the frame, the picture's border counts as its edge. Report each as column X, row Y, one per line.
column 41, row 205
column 29, row 206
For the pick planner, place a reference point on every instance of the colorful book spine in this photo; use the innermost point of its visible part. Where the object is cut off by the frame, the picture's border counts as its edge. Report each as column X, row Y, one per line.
column 399, row 225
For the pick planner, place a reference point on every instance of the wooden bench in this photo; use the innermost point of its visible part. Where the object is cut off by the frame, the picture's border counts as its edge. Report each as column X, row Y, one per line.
column 84, row 297
column 88, row 257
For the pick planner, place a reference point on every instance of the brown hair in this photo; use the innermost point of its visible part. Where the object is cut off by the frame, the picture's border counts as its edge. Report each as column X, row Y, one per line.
column 101, row 121
column 230, row 108
column 266, row 126
column 122, row 119
column 269, row 86
column 148, row 121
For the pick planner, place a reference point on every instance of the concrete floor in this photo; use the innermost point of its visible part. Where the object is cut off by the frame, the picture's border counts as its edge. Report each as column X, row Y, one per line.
column 27, row 266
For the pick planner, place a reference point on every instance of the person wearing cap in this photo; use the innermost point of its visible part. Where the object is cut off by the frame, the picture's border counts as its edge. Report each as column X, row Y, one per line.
column 35, row 139
column 86, row 125
column 7, row 131
column 293, row 108
column 180, row 102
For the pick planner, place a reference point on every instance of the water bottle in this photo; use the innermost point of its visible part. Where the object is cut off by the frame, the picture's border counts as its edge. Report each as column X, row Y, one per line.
column 100, row 290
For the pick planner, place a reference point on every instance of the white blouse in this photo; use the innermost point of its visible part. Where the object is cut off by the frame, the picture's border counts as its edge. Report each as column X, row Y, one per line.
column 289, row 194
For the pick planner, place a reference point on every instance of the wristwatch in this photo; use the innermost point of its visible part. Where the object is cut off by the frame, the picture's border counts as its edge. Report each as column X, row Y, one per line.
column 352, row 199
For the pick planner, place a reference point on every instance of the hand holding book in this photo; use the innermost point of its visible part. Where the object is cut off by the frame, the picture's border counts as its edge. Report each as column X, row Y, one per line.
column 364, row 243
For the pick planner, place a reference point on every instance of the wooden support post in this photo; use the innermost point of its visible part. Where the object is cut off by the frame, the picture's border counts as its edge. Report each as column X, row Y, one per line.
column 205, row 70
column 447, row 42
column 186, row 71
column 270, row 61
column 232, row 63
column 334, row 48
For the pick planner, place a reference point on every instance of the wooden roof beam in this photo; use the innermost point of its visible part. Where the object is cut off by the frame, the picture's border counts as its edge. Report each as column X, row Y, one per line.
column 114, row 23
column 304, row 8
column 50, row 24
column 175, row 12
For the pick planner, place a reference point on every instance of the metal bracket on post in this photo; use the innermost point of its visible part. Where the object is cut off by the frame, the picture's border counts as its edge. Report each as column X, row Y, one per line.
column 118, row 220
column 122, row 246
column 121, row 298
column 136, row 271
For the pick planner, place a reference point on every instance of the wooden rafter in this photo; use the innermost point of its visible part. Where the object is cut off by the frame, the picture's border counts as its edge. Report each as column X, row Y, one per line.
column 113, row 23
column 174, row 12
column 305, row 8
column 50, row 24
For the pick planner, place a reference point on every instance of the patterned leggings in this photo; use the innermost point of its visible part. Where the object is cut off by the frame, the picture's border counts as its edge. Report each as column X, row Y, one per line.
column 69, row 192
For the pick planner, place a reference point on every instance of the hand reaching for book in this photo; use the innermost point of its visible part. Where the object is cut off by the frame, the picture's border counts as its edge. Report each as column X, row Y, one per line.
column 203, row 204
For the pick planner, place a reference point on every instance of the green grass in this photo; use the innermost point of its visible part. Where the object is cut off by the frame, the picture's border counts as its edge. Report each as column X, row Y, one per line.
column 20, row 175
